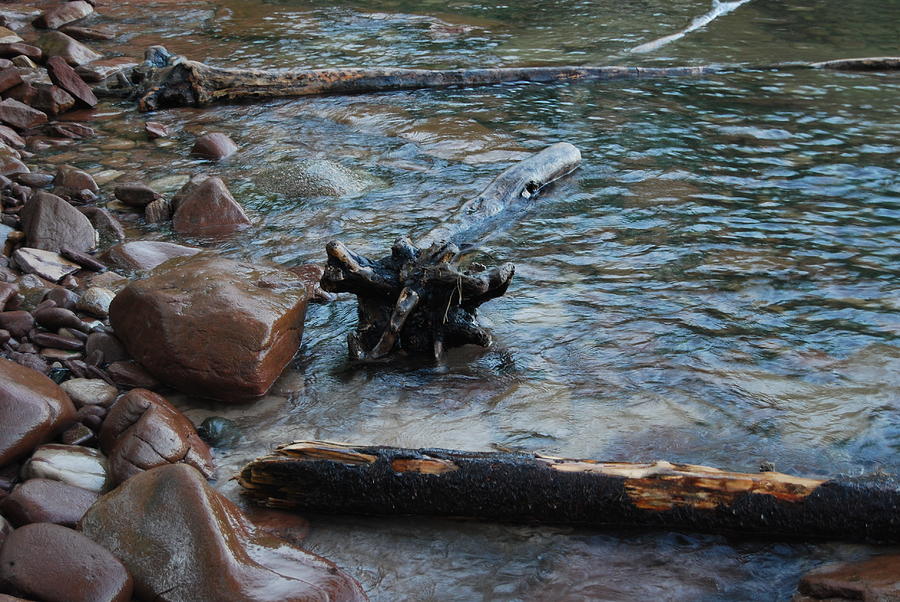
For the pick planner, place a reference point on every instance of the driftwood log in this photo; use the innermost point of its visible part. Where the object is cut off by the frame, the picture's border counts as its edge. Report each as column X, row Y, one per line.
column 172, row 81
column 418, row 298
column 325, row 477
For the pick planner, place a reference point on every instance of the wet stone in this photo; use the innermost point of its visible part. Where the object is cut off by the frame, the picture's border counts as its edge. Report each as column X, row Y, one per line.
column 135, row 194
column 214, row 146
column 33, row 409
column 95, row 302
column 56, row 43
column 73, row 464
column 220, row 432
column 109, row 347
column 108, row 227
column 70, row 180
column 102, row 69
column 131, row 375
column 62, row 297
column 51, row 223
column 54, row 318
column 212, row 327
column 81, row 571
column 20, row 115
column 14, row 49
column 9, row 78
column 158, row 211
column 18, row 323
column 63, row 13
column 10, row 137
column 90, row 391
column 47, row 501
column 46, row 264
column 202, row 524
column 143, row 431
column 66, row 78
column 87, row 33
column 51, row 99
column 34, row 180
column 208, row 209
column 155, row 130
column 145, row 254
column 78, row 434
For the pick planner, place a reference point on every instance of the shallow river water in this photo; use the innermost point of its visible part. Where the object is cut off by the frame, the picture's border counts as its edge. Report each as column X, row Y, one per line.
column 718, row 283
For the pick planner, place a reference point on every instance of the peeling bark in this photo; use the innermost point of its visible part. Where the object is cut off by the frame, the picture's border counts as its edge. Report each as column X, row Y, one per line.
column 321, row 476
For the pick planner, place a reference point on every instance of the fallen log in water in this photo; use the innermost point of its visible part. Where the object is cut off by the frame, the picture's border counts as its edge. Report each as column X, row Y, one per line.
column 417, row 298
column 174, row 81
column 321, row 476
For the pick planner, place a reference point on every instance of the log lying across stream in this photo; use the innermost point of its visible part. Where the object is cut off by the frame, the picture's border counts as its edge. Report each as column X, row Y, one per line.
column 174, row 81
column 326, row 477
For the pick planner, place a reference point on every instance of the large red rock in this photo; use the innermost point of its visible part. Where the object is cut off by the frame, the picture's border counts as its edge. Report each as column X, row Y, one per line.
column 182, row 540
column 143, row 431
column 874, row 579
column 33, row 409
column 47, row 501
column 55, row 564
column 211, row 326
column 208, row 209
column 51, row 224
column 144, row 254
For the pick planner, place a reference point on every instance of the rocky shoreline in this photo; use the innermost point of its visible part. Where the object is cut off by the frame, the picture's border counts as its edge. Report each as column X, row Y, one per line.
column 98, row 471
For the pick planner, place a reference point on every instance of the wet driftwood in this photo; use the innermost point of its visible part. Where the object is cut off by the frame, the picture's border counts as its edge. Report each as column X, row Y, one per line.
column 174, row 81
column 321, row 476
column 419, row 298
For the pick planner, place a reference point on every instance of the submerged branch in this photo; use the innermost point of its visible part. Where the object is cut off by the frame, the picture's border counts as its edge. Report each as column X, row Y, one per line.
column 174, row 81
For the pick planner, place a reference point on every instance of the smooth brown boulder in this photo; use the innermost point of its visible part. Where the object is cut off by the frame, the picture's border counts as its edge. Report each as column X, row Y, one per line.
column 874, row 579
column 62, row 74
column 143, row 431
column 56, row 564
column 72, row 181
column 211, row 326
column 50, row 224
column 214, row 146
column 17, row 322
column 56, row 43
column 19, row 115
column 144, row 254
column 33, row 409
column 208, row 209
column 63, row 13
column 182, row 540
column 47, row 501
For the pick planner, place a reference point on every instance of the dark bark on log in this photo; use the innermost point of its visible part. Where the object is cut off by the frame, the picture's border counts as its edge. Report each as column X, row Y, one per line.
column 320, row 476
column 417, row 298
column 173, row 81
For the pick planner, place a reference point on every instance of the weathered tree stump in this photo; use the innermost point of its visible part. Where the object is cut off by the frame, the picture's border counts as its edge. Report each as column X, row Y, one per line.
column 167, row 80
column 418, row 298
column 321, row 476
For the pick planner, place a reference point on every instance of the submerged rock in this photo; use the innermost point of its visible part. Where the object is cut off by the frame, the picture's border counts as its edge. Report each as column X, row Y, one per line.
column 33, row 409
column 314, row 178
column 55, row 564
column 143, row 431
column 207, row 550
column 211, row 326
column 56, row 43
column 874, row 579
column 214, row 146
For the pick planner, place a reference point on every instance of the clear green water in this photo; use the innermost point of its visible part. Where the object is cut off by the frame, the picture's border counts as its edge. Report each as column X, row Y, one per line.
column 717, row 284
